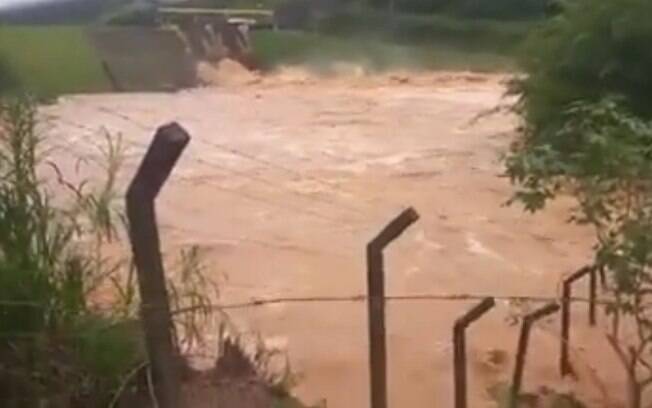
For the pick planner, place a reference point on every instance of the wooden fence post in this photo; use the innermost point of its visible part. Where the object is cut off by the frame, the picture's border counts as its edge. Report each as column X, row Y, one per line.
column 603, row 277
column 115, row 85
column 565, row 367
column 593, row 288
column 163, row 153
column 521, row 352
column 376, row 304
column 459, row 347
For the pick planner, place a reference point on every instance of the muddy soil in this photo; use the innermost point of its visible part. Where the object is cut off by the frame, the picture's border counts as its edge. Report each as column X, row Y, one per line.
column 286, row 179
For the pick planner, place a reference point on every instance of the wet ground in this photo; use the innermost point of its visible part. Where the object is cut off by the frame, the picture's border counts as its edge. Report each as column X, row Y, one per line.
column 288, row 177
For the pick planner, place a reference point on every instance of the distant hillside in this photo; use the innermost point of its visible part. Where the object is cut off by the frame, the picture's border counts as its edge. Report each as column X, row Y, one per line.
column 60, row 12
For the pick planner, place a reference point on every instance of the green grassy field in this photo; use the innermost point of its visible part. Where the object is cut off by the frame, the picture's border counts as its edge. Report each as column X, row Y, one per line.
column 425, row 29
column 48, row 61
column 410, row 41
column 321, row 52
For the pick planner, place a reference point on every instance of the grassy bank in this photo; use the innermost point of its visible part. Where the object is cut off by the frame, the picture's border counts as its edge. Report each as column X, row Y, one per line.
column 467, row 34
column 320, row 52
column 410, row 41
column 48, row 61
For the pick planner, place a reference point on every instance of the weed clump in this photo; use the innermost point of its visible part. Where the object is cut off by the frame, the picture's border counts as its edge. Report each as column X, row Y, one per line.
column 56, row 345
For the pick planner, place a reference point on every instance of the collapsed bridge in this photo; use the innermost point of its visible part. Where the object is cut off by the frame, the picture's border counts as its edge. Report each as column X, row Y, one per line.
column 215, row 34
column 165, row 57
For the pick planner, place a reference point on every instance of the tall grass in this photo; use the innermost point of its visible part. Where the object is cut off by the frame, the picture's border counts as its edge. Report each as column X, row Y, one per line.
column 48, row 61
column 48, row 271
column 69, row 328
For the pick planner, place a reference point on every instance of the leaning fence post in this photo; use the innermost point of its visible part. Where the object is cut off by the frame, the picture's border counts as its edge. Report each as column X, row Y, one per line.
column 115, row 85
column 603, row 277
column 163, row 153
column 565, row 367
column 459, row 347
column 593, row 283
column 376, row 304
column 523, row 340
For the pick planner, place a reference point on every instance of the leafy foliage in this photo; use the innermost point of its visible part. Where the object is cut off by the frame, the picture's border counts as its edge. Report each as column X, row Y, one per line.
column 591, row 51
column 587, row 131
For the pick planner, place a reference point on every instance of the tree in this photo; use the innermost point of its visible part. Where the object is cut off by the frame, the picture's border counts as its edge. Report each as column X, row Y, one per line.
column 587, row 131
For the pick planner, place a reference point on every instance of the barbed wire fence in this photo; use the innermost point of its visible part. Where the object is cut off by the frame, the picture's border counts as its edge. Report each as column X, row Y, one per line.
column 346, row 218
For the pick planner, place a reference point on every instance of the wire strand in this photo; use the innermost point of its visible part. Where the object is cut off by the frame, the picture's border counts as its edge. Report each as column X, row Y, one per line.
column 253, row 303
column 289, row 246
column 282, row 206
column 455, row 297
column 248, row 156
column 274, row 185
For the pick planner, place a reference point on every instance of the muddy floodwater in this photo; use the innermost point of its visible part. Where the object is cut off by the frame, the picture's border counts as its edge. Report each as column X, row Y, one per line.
column 288, row 177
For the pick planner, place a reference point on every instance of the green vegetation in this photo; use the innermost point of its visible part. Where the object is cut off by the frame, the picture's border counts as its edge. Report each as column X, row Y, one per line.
column 429, row 29
column 412, row 41
column 587, row 117
column 501, row 9
column 132, row 14
column 69, row 329
column 49, row 61
column 321, row 53
column 588, row 56
column 61, row 12
column 54, row 342
column 496, row 9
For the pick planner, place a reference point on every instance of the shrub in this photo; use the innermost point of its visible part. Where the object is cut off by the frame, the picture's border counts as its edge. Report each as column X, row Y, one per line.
column 591, row 51
column 587, row 131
